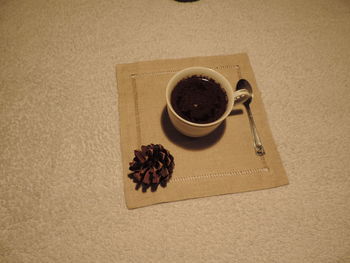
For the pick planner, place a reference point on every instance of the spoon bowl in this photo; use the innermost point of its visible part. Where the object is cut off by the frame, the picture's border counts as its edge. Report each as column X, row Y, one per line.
column 244, row 84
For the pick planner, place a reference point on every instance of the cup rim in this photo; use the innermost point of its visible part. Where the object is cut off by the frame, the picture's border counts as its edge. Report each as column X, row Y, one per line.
column 201, row 70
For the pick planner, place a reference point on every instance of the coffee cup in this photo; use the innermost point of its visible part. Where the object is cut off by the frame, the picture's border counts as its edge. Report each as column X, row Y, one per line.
column 192, row 127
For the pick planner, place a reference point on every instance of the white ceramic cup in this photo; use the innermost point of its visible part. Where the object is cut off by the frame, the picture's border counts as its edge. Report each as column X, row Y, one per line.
column 193, row 129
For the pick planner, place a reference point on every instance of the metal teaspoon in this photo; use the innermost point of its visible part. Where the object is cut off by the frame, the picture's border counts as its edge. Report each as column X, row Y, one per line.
column 244, row 84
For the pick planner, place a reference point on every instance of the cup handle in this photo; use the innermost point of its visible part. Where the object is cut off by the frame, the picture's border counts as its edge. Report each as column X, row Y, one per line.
column 241, row 96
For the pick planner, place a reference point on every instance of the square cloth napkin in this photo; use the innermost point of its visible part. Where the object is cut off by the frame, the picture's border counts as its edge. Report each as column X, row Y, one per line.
column 220, row 163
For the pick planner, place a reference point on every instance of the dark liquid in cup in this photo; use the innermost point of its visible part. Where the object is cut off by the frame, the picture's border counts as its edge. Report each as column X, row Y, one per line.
column 199, row 99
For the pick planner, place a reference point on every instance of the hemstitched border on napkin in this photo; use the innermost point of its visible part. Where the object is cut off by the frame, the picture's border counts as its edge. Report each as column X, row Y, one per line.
column 215, row 175
column 135, row 75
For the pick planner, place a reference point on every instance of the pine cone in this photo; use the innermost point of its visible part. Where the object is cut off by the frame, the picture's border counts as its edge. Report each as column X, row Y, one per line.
column 152, row 166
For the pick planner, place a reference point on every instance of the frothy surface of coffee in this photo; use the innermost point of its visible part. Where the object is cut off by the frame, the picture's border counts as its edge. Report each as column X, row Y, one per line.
column 199, row 99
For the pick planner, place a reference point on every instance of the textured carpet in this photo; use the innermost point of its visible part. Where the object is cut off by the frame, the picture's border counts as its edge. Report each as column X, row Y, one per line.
column 61, row 192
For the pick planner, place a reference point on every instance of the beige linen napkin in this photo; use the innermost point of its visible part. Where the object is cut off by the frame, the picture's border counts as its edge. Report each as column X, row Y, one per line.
column 220, row 163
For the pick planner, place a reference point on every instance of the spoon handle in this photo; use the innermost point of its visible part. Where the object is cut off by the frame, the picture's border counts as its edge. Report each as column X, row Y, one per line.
column 259, row 148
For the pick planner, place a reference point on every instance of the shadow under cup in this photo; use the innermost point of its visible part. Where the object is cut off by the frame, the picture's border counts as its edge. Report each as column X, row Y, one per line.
column 187, row 127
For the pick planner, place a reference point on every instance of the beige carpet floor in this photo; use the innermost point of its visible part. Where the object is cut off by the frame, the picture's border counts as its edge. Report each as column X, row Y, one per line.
column 61, row 189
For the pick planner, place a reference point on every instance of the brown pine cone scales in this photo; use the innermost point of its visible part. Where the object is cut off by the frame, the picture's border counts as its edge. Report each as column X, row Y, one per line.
column 151, row 167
